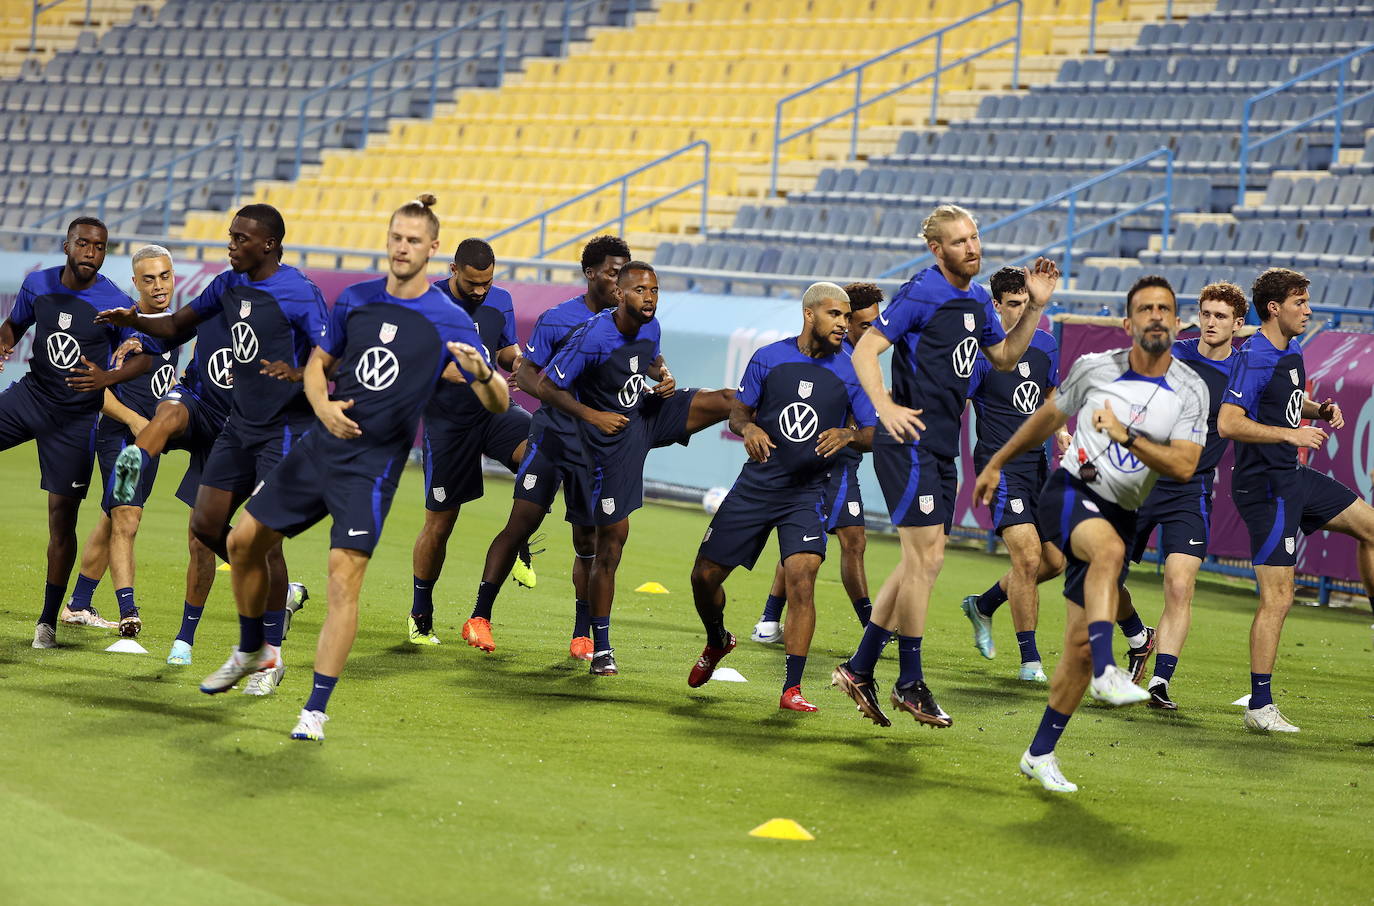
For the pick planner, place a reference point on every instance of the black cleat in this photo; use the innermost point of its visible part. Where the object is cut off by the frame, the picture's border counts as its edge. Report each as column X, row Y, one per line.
column 130, row 626
column 1137, row 658
column 864, row 691
column 1159, row 697
column 603, row 664
column 918, row 701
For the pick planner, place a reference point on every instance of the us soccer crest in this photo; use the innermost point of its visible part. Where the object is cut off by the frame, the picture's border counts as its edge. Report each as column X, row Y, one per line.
column 804, row 389
column 439, row 494
column 1137, row 414
column 1024, row 368
column 386, row 335
column 927, row 501
column 854, row 507
column 1017, row 506
column 64, row 320
column 970, row 324
column 530, row 480
column 244, row 308
column 1293, row 373
column 608, row 505
column 634, row 363
column 1289, row 544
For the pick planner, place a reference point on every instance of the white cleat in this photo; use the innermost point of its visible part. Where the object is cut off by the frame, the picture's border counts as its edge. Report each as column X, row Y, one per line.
column 1115, row 688
column 180, row 655
column 1032, row 672
column 87, row 616
column 265, row 682
column 1045, row 769
column 44, row 636
column 238, row 666
column 310, row 726
column 1266, row 719
column 768, row 632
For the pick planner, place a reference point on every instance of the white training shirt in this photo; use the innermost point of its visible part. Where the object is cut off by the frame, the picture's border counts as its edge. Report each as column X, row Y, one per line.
column 1173, row 407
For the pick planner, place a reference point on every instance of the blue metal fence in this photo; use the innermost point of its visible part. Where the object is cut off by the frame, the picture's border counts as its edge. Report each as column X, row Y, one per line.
column 857, row 73
column 1337, row 112
column 439, row 65
column 1069, row 199
column 621, row 182
column 39, row 8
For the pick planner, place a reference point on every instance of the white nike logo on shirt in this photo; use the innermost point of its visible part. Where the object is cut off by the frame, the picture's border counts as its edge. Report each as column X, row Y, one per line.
column 560, row 372
column 1236, row 392
column 353, row 533
column 78, row 484
column 1191, row 541
column 811, row 537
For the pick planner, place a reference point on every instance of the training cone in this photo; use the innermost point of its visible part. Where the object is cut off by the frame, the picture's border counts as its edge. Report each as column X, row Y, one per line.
column 652, row 588
column 728, row 675
column 127, row 646
column 781, row 829
column 223, row 568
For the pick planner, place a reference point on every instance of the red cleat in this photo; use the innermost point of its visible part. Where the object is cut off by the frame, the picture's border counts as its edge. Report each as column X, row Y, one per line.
column 477, row 633
column 792, row 700
column 580, row 648
column 706, row 664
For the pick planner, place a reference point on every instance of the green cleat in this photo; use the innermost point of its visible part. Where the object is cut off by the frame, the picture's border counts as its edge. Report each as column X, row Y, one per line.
column 127, row 471
column 420, row 635
column 982, row 628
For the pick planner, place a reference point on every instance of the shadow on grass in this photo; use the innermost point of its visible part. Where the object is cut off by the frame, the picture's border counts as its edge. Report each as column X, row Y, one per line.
column 1068, row 827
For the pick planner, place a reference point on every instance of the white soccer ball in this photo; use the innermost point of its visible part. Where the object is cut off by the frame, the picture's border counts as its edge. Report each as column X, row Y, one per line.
column 711, row 500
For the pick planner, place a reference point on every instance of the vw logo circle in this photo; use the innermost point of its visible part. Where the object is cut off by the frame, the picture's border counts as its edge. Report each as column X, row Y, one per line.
column 377, row 369
column 964, row 355
column 1026, row 397
column 221, row 368
column 245, row 342
column 163, row 380
column 1293, row 411
column 1124, row 460
column 798, row 422
column 63, row 350
column 629, row 394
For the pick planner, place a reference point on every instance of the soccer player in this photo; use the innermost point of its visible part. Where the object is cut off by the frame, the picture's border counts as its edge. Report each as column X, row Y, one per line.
column 844, row 502
column 1002, row 400
column 275, row 316
column 1183, row 510
column 127, row 407
column 798, row 406
column 385, row 349
column 600, row 378
column 58, row 402
column 937, row 321
column 1141, row 414
column 1275, row 494
column 458, row 430
column 538, row 478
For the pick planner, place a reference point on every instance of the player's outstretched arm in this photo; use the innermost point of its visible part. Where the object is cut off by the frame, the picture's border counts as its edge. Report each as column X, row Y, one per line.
column 330, row 412
column 88, row 377
column 165, row 326
column 489, row 387
column 1033, row 432
column 901, row 422
column 1234, row 424
column 1041, row 279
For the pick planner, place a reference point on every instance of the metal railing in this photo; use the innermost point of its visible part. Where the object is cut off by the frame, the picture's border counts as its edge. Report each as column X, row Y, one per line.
column 1337, row 111
column 39, row 8
column 857, row 72
column 440, row 65
column 623, row 183
column 1069, row 198
column 99, row 201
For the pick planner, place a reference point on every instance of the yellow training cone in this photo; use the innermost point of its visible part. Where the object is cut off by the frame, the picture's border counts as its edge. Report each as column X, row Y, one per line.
column 223, row 567
column 652, row 588
column 781, row 829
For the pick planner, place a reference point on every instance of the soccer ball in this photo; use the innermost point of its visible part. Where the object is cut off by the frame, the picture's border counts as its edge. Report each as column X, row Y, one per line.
column 711, row 500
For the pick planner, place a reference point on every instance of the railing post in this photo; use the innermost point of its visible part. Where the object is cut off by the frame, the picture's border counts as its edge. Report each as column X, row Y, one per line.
column 501, row 51
column 1016, row 60
column 705, row 183
column 300, row 141
column 1168, row 199
column 1092, row 27
column 858, row 101
column 1069, row 235
column 367, row 109
column 777, row 148
column 543, row 232
column 167, row 202
column 567, row 28
column 624, row 197
column 1340, row 112
column 935, row 81
column 434, row 81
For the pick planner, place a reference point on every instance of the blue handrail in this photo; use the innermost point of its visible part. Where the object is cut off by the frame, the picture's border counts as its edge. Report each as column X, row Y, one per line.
column 623, row 181
column 39, row 8
column 1071, row 234
column 433, row 45
column 1247, row 148
column 99, row 199
column 857, row 71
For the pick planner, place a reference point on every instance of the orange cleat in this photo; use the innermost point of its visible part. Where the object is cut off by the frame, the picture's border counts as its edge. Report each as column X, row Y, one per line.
column 580, row 648
column 477, row 633
column 792, row 700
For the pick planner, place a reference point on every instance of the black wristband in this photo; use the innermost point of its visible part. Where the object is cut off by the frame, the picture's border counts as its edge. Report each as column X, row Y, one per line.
column 1130, row 439
column 491, row 373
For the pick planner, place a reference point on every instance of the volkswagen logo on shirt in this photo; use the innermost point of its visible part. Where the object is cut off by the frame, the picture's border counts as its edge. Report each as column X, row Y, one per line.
column 163, row 380
column 63, row 350
column 1293, row 411
column 220, row 368
column 377, row 368
column 1124, row 460
column 964, row 355
column 798, row 422
column 629, row 394
column 1026, row 397
column 245, row 342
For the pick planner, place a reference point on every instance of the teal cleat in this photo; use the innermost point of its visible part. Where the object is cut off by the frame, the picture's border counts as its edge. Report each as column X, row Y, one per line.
column 982, row 628
column 181, row 654
column 127, row 471
column 1033, row 672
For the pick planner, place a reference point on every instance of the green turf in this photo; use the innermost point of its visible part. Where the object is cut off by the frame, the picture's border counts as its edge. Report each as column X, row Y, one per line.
column 453, row 776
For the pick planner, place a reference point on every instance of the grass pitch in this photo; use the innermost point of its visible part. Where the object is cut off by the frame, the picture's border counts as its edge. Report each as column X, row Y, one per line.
column 453, row 776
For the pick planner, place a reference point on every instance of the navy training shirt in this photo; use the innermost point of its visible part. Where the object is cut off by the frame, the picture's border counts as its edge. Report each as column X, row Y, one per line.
column 795, row 399
column 551, row 332
column 1216, row 375
column 209, row 376
column 936, row 331
column 277, row 319
column 390, row 355
column 1002, row 400
column 494, row 318
column 1270, row 385
column 606, row 370
column 66, row 331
